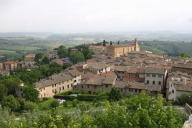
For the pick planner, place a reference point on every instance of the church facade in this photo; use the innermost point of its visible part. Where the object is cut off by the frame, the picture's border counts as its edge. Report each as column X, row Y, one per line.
column 117, row 50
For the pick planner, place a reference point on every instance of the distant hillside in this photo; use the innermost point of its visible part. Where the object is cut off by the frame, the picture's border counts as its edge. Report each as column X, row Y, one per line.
column 15, row 45
column 171, row 48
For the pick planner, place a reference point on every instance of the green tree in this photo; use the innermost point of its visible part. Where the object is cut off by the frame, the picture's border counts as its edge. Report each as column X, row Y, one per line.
column 183, row 99
column 30, row 93
column 10, row 102
column 54, row 104
column 184, row 55
column 75, row 102
column 3, row 91
column 30, row 106
column 38, row 56
column 115, row 94
column 87, row 53
column 10, row 82
column 62, row 52
column 76, row 57
column 66, row 65
column 45, row 60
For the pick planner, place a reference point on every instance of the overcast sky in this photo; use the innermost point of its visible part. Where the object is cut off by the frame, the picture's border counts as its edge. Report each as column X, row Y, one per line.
column 95, row 15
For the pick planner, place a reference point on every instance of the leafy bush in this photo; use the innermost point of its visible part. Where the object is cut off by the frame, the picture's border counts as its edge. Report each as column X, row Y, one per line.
column 44, row 105
column 86, row 97
column 115, row 94
column 30, row 93
column 84, row 107
column 54, row 104
column 64, row 96
column 65, row 104
column 75, row 102
column 10, row 102
column 183, row 99
column 30, row 106
column 137, row 111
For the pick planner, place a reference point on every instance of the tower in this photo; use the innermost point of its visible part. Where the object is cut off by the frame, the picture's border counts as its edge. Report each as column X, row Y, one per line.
column 137, row 47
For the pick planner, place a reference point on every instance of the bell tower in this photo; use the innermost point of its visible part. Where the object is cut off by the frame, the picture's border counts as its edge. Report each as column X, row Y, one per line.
column 137, row 47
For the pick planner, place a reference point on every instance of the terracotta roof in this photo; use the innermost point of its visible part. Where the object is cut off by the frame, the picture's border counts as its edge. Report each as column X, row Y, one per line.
column 129, row 69
column 182, row 87
column 121, row 84
column 154, row 70
column 142, row 86
column 96, row 80
column 183, row 66
column 10, row 62
column 54, row 79
column 98, row 66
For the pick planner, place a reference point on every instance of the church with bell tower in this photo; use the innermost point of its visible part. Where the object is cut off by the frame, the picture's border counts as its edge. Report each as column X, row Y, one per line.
column 118, row 50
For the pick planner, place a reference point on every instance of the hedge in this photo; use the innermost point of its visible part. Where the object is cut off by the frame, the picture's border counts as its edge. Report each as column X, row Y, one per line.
column 86, row 97
column 82, row 97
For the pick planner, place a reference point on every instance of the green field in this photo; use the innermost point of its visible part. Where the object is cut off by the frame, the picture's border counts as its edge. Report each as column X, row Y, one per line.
column 2, row 52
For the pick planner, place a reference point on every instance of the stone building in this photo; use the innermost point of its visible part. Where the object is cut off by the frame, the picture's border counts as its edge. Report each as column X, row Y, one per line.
column 118, row 50
column 29, row 60
column 178, row 83
column 97, row 68
column 155, row 76
column 11, row 66
column 57, row 83
column 187, row 68
column 97, row 84
column 52, row 54
column 129, row 73
column 128, row 88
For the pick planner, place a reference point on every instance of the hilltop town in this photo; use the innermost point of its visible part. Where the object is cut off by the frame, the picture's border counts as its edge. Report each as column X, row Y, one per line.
column 114, row 64
column 87, row 77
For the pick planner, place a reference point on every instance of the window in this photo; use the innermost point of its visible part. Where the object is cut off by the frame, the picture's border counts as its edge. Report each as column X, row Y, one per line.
column 63, row 88
column 160, row 76
column 82, row 86
column 67, row 86
column 159, row 82
column 147, row 81
column 148, row 75
column 173, row 91
column 106, row 86
column 87, row 86
column 153, row 75
column 153, row 82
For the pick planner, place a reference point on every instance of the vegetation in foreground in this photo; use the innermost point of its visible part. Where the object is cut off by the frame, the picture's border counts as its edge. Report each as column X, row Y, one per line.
column 134, row 111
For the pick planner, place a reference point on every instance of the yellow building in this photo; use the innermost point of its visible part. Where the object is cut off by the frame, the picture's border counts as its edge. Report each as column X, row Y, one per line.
column 117, row 50
column 57, row 83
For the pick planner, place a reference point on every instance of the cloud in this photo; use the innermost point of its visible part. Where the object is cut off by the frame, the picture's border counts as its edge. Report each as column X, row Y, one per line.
column 94, row 15
column 190, row 20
